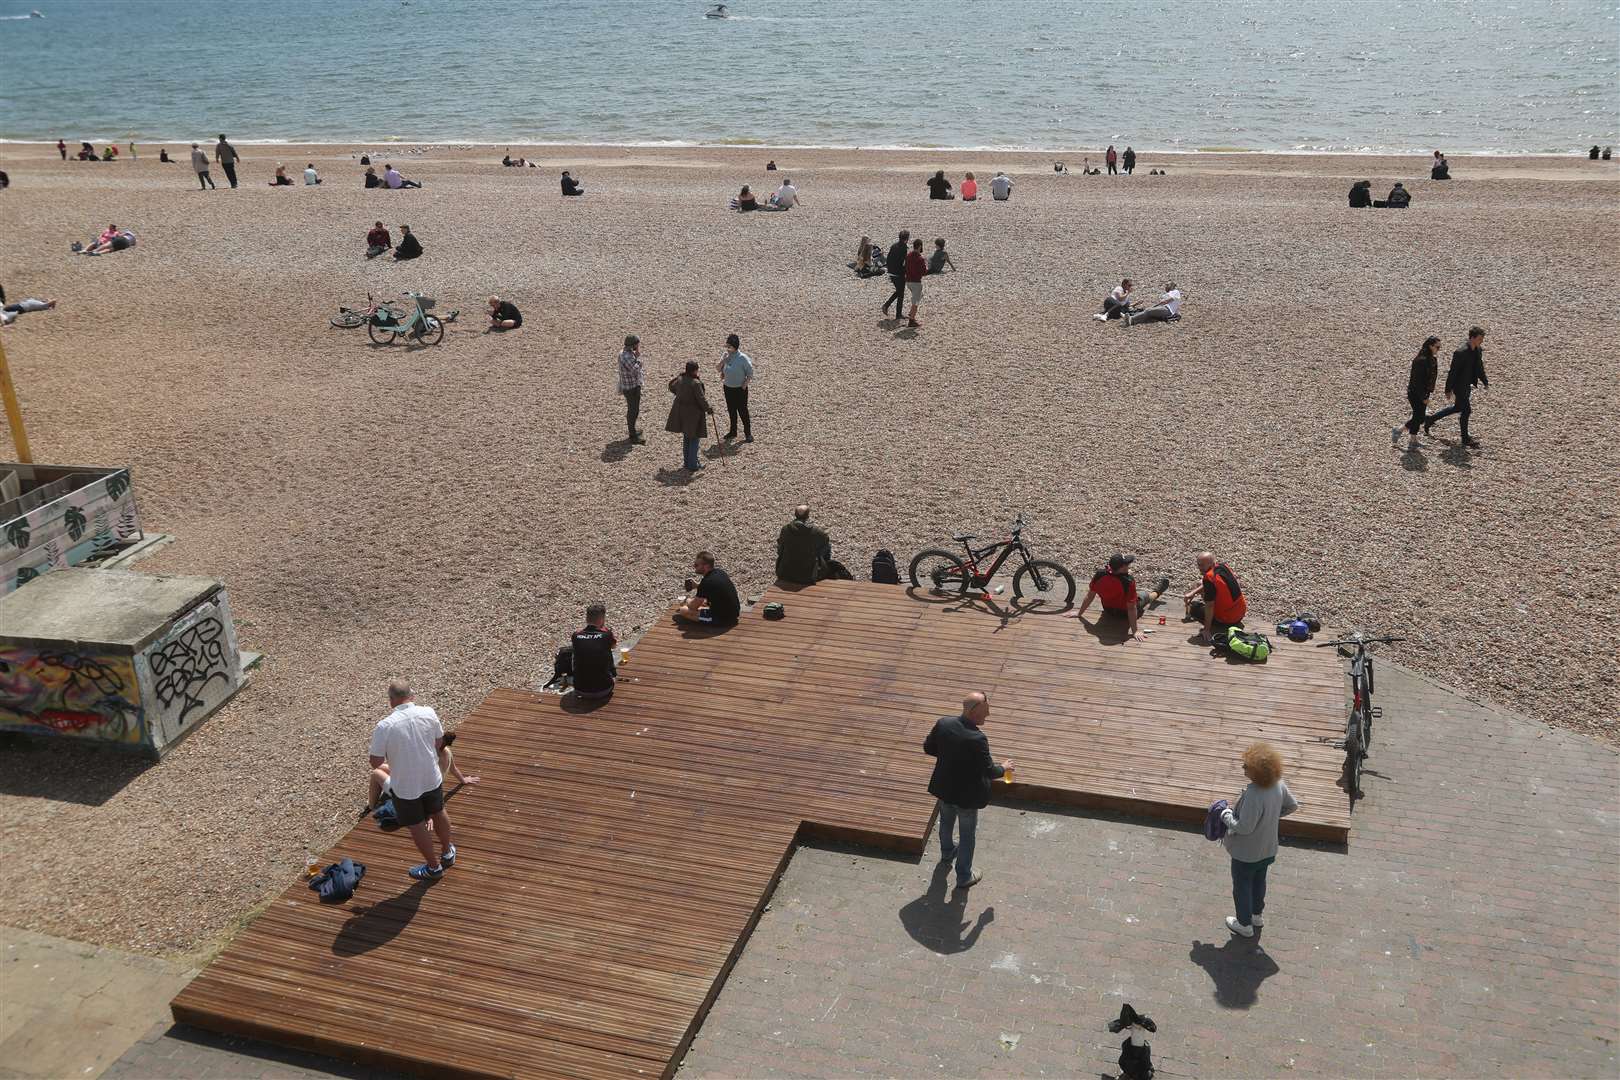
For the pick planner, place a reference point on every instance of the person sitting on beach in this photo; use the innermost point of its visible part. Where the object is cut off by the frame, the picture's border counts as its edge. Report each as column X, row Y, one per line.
column 1115, row 588
column 970, row 188
column 1441, row 169
column 365, row 159
column 372, row 179
column 1361, row 194
column 1117, row 304
column 1399, row 198
column 9, row 312
column 409, row 246
column 1593, row 155
column 938, row 261
column 87, row 152
column 378, row 240
column 113, row 239
column 395, row 181
column 503, row 314
column 786, row 197
column 1001, row 186
column 1168, row 308
column 380, row 780
column 1608, row 152
column 938, row 186
column 714, row 599
column 507, row 160
column 109, row 153
column 594, row 673
column 281, row 179
column 163, row 156
column 570, row 186
column 311, row 177
column 1217, row 600
column 803, row 551
column 745, row 200
column 770, row 166
column 867, row 259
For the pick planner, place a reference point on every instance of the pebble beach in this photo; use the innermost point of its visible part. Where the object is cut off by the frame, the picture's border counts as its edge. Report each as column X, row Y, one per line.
column 444, row 513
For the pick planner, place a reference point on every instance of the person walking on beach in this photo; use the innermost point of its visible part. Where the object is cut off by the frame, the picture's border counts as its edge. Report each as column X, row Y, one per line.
column 630, row 378
column 61, row 148
column 199, row 163
column 895, row 263
column 226, row 155
column 1129, row 161
column 1251, row 835
column 736, row 373
column 1111, row 157
column 1466, row 372
column 1419, row 387
column 689, row 414
column 408, row 740
column 916, row 270
column 961, row 779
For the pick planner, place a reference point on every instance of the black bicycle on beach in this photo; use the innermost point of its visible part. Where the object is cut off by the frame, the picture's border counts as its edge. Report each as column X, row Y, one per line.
column 1358, row 729
column 1044, row 582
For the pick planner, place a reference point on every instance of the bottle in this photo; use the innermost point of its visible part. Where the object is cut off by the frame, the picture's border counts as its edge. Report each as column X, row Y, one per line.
column 312, row 867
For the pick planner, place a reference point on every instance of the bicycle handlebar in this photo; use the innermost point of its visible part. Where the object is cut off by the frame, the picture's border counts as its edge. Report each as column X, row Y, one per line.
column 1359, row 639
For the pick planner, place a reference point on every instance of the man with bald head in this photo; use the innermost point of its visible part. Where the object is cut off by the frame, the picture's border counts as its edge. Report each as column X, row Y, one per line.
column 1217, row 601
column 803, row 552
column 409, row 739
column 963, row 770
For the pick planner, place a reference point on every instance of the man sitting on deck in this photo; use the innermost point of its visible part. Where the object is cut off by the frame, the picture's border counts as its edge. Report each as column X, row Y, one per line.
column 1115, row 587
column 714, row 599
column 594, row 672
column 804, row 552
column 1217, row 601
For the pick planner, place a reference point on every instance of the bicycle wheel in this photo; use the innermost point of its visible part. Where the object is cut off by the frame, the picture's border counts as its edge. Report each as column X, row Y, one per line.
column 1353, row 755
column 1369, row 677
column 347, row 320
column 939, row 571
column 381, row 334
column 1046, row 583
column 431, row 332
column 1366, row 714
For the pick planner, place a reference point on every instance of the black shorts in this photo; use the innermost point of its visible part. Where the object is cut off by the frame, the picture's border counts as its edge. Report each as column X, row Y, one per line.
column 1195, row 612
column 415, row 811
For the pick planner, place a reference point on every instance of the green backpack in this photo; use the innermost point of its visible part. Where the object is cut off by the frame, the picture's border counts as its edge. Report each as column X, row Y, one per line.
column 1246, row 646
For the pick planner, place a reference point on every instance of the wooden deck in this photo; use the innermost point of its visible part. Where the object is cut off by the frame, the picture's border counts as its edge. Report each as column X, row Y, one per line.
column 614, row 859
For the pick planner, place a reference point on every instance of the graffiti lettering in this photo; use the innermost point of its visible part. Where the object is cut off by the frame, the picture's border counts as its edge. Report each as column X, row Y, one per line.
column 185, row 665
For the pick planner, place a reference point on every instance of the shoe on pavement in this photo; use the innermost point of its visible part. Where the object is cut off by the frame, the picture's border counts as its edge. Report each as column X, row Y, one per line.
column 424, row 872
column 1238, row 928
column 448, row 859
column 977, row 876
column 1258, row 921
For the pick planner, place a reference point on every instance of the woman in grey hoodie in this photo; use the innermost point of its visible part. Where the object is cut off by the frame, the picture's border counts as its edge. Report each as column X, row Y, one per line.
column 1251, row 834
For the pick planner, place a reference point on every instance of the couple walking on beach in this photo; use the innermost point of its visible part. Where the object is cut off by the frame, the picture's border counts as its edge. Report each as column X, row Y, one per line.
column 907, row 267
column 689, row 413
column 1467, row 371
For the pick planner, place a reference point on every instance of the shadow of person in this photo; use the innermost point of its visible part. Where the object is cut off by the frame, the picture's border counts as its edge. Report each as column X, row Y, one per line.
column 617, row 450
column 1457, row 456
column 573, row 703
column 1412, row 460
column 1107, row 629
column 1237, row 969
column 908, row 334
column 723, row 449
column 674, row 477
column 940, row 924
column 380, row 923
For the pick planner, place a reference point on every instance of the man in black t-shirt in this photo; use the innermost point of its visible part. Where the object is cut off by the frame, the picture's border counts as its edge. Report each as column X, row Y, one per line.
column 593, row 655
column 714, row 600
column 503, row 314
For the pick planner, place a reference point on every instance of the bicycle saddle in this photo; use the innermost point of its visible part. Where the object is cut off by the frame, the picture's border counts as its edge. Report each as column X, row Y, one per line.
column 962, row 538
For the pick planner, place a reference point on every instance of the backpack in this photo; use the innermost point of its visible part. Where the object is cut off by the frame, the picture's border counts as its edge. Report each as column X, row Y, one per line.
column 1246, row 646
column 885, row 571
column 562, row 667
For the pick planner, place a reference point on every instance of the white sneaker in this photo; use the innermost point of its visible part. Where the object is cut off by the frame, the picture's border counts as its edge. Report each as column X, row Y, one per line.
column 1100, row 318
column 1259, row 921
column 1238, row 928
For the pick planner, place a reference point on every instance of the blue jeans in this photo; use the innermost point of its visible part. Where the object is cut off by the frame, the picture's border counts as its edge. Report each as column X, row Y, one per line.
column 1249, row 890
column 689, row 449
column 965, row 823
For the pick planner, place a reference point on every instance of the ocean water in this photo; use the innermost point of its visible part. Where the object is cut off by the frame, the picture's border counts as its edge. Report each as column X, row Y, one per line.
column 1345, row 75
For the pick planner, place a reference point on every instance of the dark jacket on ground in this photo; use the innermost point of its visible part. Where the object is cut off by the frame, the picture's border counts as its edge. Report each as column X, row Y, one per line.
column 689, row 413
column 1420, row 384
column 896, row 262
column 1466, row 372
column 964, row 769
column 802, row 553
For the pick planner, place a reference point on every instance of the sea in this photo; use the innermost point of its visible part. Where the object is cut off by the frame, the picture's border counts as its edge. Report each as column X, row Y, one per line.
column 1371, row 76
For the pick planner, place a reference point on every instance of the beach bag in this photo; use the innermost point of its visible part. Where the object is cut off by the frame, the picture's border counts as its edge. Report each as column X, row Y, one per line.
column 1214, row 824
column 885, row 571
column 775, row 611
column 562, row 667
column 1254, row 648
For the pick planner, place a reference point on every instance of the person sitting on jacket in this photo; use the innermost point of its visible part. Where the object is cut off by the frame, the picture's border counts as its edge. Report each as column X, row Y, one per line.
column 1217, row 600
column 594, row 671
column 570, row 186
column 409, row 246
column 378, row 240
column 1361, row 195
column 1441, row 169
column 803, row 551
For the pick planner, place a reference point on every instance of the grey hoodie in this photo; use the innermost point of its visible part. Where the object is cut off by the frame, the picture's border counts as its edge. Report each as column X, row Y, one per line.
column 1251, row 826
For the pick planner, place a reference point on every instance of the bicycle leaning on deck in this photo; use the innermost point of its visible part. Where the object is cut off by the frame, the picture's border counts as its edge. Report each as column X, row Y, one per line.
column 1044, row 582
column 1358, row 729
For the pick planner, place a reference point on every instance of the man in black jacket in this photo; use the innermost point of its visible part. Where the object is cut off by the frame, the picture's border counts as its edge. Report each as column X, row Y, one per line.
column 594, row 671
column 961, row 781
column 1467, row 371
column 896, row 265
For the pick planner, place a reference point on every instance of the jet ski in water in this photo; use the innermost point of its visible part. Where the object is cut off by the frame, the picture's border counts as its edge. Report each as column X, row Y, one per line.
column 717, row 12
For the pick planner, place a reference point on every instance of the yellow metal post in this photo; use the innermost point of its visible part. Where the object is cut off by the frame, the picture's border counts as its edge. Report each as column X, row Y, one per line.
column 13, row 411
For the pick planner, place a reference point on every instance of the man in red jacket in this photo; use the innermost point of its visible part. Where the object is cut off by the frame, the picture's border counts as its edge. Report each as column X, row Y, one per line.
column 1217, row 600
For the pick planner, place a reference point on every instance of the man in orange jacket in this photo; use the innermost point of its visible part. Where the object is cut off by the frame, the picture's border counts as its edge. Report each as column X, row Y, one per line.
column 1217, row 600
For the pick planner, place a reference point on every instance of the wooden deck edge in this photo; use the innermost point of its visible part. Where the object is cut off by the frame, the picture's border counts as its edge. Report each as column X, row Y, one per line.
column 866, row 838
column 1148, row 808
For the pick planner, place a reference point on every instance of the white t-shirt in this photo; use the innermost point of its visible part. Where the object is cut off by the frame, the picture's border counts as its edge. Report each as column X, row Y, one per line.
column 787, row 195
column 409, row 738
column 1118, row 294
column 311, row 177
column 1172, row 300
column 1000, row 187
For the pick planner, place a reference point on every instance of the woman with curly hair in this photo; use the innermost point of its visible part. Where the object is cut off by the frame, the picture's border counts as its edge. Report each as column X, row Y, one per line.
column 1251, row 834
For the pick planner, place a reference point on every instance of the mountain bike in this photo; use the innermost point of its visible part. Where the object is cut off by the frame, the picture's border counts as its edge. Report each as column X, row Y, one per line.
column 349, row 318
column 1043, row 581
column 1358, row 729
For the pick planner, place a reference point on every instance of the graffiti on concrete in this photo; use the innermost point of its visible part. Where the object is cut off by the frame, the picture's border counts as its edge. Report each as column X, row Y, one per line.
column 70, row 693
column 185, row 664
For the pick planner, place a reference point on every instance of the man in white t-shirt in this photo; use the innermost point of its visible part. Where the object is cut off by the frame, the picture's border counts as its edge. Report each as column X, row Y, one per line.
column 786, row 197
column 409, row 739
column 1168, row 307
column 1001, row 187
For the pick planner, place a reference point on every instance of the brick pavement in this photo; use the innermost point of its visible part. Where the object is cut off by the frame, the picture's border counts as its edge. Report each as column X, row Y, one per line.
column 1471, row 929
